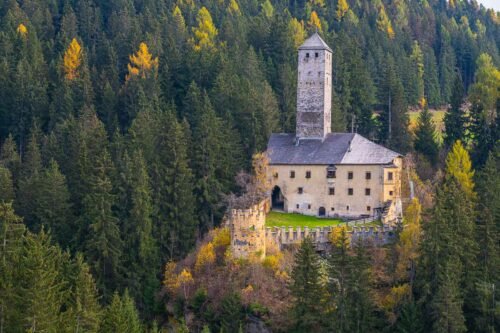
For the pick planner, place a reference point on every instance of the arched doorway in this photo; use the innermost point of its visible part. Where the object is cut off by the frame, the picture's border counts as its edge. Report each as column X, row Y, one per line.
column 322, row 211
column 277, row 199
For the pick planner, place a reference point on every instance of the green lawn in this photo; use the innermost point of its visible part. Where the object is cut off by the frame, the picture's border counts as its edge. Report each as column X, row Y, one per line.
column 275, row 219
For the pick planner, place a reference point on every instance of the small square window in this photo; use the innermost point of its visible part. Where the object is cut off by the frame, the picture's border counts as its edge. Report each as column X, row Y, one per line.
column 350, row 175
column 350, row 191
column 391, row 193
column 308, row 174
column 301, row 190
column 368, row 175
column 368, row 209
column 331, row 174
column 331, row 191
column 292, row 174
column 316, row 54
column 297, row 206
column 368, row 191
column 390, row 176
column 333, row 209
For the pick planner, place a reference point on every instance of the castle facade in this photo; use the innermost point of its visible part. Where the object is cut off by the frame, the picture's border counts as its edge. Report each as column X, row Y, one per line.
column 317, row 172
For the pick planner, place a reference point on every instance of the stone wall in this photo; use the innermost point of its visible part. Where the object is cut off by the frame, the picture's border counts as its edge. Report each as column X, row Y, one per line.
column 247, row 228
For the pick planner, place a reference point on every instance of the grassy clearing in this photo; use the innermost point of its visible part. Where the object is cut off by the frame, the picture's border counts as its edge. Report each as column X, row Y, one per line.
column 276, row 219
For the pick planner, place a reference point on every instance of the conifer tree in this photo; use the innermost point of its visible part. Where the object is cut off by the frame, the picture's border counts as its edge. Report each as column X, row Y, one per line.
column 6, row 185
column 306, row 289
column 454, row 119
column 104, row 243
column 121, row 316
column 425, row 137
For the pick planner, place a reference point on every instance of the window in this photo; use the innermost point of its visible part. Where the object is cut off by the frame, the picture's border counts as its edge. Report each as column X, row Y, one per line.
column 347, row 208
column 275, row 175
column 350, row 175
column 308, row 174
column 368, row 191
column 316, row 54
column 368, row 208
column 330, row 173
column 368, row 175
column 307, row 55
column 297, row 206
column 292, row 174
column 390, row 176
column 331, row 191
column 350, row 191
column 301, row 190
column 391, row 193
column 333, row 209
column 309, row 206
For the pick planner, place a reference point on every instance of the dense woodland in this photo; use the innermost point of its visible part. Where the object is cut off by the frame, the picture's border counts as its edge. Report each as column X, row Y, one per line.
column 123, row 124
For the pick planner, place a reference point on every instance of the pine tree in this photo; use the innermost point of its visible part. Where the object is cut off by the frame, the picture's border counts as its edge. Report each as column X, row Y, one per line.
column 104, row 243
column 454, row 119
column 306, row 289
column 425, row 137
column 121, row 316
column 6, row 185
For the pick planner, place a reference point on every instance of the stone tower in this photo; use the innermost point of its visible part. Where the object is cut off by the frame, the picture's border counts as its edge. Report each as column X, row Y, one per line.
column 314, row 89
column 248, row 234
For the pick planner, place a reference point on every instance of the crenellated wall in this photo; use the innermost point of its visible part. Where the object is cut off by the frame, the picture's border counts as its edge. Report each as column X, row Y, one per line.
column 247, row 227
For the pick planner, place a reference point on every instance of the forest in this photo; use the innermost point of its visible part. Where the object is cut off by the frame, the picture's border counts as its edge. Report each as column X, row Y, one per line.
column 127, row 125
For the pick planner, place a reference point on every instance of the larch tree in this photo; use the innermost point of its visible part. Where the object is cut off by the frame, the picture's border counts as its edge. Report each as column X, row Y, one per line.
column 72, row 60
column 342, row 8
column 142, row 63
column 314, row 22
column 205, row 33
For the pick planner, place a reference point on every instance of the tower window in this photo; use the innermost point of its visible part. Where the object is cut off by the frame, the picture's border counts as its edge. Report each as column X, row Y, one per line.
column 331, row 191
column 368, row 175
column 308, row 174
column 390, row 176
column 333, row 209
column 368, row 208
column 307, row 55
column 297, row 206
column 309, row 206
column 350, row 191
column 292, row 174
column 347, row 208
column 316, row 54
column 391, row 193
column 350, row 175
column 367, row 191
column 301, row 190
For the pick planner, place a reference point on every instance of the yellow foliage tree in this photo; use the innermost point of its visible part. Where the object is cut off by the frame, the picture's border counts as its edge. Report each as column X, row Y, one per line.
column 339, row 237
column 342, row 8
column 384, row 23
column 297, row 32
column 185, row 280
column 142, row 63
column 459, row 166
column 222, row 237
column 72, row 60
column 22, row 30
column 170, row 280
column 205, row 32
column 409, row 241
column 267, row 9
column 233, row 8
column 206, row 256
column 314, row 21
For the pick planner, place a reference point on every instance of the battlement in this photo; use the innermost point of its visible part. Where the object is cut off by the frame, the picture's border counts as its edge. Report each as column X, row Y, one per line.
column 321, row 235
column 247, row 228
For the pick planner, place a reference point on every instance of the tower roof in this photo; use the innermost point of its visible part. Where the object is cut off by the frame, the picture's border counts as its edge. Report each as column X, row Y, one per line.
column 315, row 42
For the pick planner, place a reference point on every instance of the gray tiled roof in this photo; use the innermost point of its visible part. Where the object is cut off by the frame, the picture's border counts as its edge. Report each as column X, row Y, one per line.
column 336, row 148
column 315, row 42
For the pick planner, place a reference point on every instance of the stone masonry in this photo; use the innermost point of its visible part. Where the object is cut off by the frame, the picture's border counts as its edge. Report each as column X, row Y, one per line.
column 314, row 91
column 247, row 229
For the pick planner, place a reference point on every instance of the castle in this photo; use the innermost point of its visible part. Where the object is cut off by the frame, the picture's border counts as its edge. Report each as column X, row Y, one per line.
column 317, row 172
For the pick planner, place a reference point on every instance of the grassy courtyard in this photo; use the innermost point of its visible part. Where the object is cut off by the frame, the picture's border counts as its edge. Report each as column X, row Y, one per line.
column 276, row 219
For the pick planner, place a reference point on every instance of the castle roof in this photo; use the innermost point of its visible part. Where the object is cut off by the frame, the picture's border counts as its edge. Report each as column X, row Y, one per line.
column 315, row 42
column 336, row 148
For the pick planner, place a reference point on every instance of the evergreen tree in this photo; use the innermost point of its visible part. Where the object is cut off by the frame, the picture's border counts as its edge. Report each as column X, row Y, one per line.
column 307, row 289
column 425, row 137
column 6, row 185
column 454, row 119
column 121, row 316
column 104, row 243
